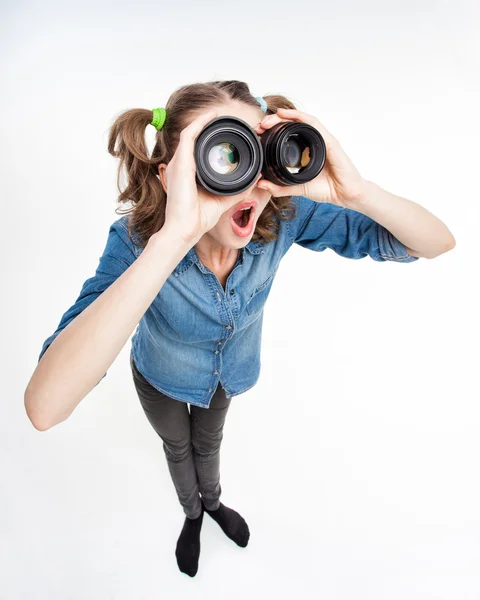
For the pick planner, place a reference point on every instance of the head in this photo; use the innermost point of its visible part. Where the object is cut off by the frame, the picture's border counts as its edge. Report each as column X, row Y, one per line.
column 147, row 187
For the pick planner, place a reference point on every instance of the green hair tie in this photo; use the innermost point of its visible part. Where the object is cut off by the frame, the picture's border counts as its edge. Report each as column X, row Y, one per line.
column 159, row 116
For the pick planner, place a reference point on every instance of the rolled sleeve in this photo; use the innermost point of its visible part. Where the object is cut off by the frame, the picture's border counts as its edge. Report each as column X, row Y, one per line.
column 391, row 248
column 349, row 233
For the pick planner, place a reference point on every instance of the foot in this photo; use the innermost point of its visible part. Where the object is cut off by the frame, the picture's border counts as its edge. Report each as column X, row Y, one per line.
column 233, row 524
column 188, row 545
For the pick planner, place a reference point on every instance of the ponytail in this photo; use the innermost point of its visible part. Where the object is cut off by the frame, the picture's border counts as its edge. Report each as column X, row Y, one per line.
column 126, row 142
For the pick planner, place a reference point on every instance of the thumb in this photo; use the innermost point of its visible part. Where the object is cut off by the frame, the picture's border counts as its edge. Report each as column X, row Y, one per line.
column 275, row 190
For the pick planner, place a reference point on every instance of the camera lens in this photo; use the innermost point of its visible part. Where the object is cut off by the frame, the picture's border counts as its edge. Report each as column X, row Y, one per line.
column 228, row 156
column 293, row 153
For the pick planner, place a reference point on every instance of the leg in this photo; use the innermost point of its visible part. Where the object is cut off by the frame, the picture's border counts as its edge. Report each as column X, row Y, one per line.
column 171, row 420
column 206, row 435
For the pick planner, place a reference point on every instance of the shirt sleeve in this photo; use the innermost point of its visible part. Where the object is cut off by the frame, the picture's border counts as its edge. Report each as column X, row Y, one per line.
column 117, row 256
column 321, row 225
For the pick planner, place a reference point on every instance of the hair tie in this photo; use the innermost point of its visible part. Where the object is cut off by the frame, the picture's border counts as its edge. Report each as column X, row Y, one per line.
column 159, row 116
column 263, row 104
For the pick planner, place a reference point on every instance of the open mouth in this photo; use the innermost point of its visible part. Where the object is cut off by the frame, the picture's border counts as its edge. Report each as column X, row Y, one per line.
column 242, row 217
column 242, row 221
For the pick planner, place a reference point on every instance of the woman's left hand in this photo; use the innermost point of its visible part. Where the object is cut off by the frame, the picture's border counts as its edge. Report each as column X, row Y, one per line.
column 338, row 182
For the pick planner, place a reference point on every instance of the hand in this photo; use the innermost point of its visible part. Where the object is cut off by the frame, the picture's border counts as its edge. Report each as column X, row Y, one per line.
column 338, row 182
column 191, row 210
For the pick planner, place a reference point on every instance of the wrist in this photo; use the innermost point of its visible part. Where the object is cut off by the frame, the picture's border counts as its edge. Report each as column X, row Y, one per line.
column 364, row 198
column 175, row 237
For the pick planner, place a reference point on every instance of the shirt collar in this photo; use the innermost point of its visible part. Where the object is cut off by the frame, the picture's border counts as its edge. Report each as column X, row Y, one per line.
column 254, row 247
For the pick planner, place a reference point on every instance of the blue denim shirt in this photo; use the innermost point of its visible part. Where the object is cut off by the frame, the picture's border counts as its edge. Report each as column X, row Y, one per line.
column 195, row 333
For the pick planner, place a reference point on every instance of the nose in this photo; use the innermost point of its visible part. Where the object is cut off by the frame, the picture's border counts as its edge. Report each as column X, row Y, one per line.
column 248, row 194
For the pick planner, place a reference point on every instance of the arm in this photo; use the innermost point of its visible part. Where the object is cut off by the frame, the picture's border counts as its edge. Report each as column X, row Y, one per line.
column 94, row 330
column 349, row 233
column 402, row 224
column 419, row 230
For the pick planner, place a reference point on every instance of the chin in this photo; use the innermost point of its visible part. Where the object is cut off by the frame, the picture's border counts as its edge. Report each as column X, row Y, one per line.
column 236, row 242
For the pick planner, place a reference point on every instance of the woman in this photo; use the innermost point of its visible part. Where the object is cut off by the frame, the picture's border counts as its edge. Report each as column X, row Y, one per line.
column 195, row 277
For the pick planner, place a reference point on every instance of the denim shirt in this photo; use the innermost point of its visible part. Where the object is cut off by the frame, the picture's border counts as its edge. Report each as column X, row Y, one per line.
column 195, row 334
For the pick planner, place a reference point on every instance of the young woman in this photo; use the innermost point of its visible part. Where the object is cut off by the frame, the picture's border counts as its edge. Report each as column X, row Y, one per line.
column 184, row 266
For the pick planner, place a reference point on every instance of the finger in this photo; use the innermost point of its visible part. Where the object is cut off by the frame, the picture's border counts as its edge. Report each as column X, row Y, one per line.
column 298, row 115
column 268, row 122
column 190, row 133
column 193, row 129
column 279, row 190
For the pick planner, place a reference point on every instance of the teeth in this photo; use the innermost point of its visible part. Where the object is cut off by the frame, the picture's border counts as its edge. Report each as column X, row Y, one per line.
column 246, row 208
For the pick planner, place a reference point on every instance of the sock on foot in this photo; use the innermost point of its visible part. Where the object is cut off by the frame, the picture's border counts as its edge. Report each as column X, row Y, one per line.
column 188, row 545
column 234, row 525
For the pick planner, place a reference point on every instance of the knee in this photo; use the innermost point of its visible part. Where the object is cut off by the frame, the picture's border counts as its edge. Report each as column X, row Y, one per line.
column 206, row 444
column 177, row 450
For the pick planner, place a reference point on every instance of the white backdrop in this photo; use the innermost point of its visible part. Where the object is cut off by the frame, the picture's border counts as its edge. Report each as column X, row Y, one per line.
column 370, row 366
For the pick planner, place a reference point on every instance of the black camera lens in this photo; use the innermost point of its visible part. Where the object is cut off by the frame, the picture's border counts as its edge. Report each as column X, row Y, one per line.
column 229, row 155
column 293, row 153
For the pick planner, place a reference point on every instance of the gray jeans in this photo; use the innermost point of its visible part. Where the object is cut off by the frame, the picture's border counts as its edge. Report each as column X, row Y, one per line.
column 191, row 441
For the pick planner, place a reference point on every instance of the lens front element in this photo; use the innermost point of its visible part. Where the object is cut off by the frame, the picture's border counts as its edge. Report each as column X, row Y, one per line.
column 296, row 154
column 223, row 158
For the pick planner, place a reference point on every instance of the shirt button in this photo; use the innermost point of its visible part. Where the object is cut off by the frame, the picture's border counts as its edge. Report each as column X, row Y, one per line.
column 232, row 292
column 215, row 372
column 217, row 351
column 219, row 343
column 228, row 327
column 210, row 390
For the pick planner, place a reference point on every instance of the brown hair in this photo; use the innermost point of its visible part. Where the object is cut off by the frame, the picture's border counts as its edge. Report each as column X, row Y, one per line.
column 144, row 188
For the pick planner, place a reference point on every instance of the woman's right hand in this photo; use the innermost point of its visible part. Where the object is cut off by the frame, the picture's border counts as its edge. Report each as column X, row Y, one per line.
column 191, row 210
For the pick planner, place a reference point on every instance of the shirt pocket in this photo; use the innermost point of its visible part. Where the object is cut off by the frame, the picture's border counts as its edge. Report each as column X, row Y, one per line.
column 259, row 296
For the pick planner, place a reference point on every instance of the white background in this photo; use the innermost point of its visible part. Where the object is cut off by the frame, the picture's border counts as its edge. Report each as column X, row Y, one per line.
column 355, row 459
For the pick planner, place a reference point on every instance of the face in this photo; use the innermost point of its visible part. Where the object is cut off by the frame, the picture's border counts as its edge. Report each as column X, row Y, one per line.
column 225, row 233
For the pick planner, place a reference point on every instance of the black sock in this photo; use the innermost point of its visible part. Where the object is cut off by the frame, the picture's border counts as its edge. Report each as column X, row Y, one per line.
column 188, row 545
column 233, row 524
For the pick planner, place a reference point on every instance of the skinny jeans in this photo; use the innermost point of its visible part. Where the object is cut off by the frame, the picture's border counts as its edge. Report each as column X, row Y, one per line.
column 191, row 441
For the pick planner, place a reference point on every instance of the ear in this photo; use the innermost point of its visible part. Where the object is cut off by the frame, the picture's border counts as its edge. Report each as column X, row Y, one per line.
column 162, row 175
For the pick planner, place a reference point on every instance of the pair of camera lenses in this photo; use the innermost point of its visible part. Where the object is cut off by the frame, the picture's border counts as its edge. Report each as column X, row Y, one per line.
column 229, row 155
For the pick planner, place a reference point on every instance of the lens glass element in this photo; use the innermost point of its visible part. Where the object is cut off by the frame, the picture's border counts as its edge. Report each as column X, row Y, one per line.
column 223, row 158
column 295, row 154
